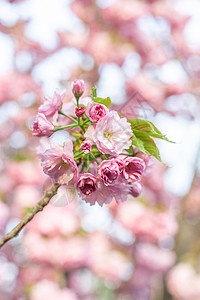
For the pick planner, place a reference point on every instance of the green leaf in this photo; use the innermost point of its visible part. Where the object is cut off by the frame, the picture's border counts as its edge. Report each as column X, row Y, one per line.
column 94, row 92
column 106, row 101
column 145, row 144
column 147, row 127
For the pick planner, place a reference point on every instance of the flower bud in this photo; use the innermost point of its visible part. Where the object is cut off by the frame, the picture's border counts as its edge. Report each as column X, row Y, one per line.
column 86, row 146
column 79, row 111
column 41, row 126
column 78, row 87
column 135, row 189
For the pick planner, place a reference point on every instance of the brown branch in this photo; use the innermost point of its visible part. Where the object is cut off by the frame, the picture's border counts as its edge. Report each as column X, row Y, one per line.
column 30, row 215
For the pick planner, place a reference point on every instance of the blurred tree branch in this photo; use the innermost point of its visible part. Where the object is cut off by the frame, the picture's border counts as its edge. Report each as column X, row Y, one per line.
column 30, row 215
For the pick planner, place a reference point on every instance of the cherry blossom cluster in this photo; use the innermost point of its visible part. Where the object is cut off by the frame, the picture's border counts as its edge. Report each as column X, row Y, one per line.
column 98, row 161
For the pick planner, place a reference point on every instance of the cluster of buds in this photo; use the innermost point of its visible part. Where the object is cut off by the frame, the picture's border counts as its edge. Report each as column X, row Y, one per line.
column 98, row 162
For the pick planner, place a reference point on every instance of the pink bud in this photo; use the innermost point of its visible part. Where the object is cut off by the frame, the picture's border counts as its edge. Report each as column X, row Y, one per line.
column 80, row 111
column 135, row 189
column 41, row 126
column 78, row 87
column 86, row 146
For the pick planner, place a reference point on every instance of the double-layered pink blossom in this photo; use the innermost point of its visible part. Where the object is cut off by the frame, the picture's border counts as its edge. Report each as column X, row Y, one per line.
column 92, row 190
column 96, row 111
column 134, row 168
column 78, row 87
column 108, row 171
column 51, row 105
column 87, row 184
column 41, row 126
column 112, row 134
column 59, row 164
column 86, row 146
column 120, row 163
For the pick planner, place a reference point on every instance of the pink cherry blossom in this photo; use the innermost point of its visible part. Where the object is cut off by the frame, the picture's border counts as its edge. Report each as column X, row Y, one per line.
column 118, row 191
column 87, row 183
column 90, row 134
column 41, row 126
column 112, row 134
column 86, row 146
column 92, row 190
column 59, row 164
column 78, row 87
column 108, row 171
column 96, row 111
column 103, row 194
column 134, row 168
column 120, row 163
column 51, row 105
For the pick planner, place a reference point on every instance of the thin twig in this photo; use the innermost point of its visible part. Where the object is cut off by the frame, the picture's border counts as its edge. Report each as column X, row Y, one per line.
column 30, row 215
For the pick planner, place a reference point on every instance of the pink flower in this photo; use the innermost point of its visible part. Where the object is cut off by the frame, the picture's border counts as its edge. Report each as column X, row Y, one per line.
column 120, row 163
column 90, row 134
column 135, row 189
column 78, row 87
column 86, row 146
column 41, row 126
column 80, row 111
column 118, row 191
column 51, row 105
column 112, row 134
column 96, row 111
column 108, row 171
column 97, row 191
column 59, row 164
column 87, row 184
column 103, row 194
column 134, row 168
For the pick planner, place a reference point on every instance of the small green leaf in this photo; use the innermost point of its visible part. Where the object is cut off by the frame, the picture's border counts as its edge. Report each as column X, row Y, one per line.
column 145, row 144
column 94, row 92
column 147, row 127
column 106, row 101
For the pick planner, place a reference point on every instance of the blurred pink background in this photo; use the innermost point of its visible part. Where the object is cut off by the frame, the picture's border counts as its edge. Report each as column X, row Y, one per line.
column 145, row 55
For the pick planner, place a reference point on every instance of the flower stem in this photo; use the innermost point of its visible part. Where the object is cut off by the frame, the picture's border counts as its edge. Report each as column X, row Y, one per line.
column 88, row 162
column 85, row 122
column 92, row 155
column 67, row 126
column 79, row 154
column 77, row 100
column 62, row 113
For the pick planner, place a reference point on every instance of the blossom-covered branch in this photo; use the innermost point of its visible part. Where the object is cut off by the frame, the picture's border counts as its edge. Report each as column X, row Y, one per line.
column 30, row 215
column 105, row 156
